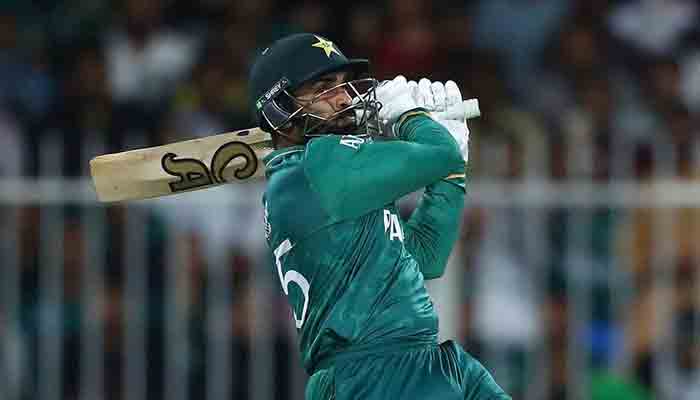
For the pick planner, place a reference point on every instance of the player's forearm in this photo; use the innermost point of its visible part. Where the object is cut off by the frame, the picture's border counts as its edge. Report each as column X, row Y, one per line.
column 432, row 229
column 352, row 180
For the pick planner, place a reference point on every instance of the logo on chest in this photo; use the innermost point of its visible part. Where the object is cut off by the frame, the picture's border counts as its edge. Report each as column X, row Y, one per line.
column 354, row 142
column 392, row 226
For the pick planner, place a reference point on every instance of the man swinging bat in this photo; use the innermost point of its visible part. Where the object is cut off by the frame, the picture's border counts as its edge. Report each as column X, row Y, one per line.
column 346, row 148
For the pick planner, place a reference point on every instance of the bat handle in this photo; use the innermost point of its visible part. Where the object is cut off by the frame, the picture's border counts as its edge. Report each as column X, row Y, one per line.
column 468, row 109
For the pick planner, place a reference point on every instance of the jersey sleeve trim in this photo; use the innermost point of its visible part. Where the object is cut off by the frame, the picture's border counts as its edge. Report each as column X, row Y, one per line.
column 397, row 126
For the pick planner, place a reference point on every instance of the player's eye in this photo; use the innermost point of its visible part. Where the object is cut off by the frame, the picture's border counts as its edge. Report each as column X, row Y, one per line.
column 329, row 90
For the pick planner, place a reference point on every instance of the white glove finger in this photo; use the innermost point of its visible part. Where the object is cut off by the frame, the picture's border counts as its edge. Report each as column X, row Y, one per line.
column 413, row 86
column 452, row 93
column 387, row 89
column 413, row 89
column 439, row 95
column 416, row 93
column 426, row 94
column 400, row 80
column 396, row 85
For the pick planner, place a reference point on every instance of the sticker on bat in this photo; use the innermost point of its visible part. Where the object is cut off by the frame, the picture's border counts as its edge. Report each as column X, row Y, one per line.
column 193, row 173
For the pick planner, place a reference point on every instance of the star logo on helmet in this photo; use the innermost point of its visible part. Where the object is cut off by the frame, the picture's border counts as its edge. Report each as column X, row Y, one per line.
column 327, row 46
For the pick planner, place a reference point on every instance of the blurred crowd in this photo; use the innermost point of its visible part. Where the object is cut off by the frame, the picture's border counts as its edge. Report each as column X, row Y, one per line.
column 570, row 91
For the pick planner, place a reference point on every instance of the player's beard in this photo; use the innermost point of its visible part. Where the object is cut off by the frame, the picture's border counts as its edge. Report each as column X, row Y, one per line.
column 353, row 120
column 344, row 121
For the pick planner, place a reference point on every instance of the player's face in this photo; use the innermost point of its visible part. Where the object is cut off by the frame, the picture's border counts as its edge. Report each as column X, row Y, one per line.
column 325, row 97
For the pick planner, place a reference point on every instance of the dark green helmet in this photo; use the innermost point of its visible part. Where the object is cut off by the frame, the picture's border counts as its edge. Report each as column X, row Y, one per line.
column 297, row 59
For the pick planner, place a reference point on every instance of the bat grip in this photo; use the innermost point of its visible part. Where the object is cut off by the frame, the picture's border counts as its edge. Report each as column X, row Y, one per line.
column 468, row 109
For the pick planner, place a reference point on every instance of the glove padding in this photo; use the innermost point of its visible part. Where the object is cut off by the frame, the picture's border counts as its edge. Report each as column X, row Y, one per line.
column 460, row 132
column 396, row 99
column 437, row 97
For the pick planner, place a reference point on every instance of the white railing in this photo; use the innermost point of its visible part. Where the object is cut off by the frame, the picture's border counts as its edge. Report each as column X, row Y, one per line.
column 657, row 193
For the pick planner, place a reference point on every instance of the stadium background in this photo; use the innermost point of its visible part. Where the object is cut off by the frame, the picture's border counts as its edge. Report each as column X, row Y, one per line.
column 576, row 275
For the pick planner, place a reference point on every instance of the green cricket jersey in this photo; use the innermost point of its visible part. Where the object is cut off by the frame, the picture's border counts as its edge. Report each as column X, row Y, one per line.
column 353, row 271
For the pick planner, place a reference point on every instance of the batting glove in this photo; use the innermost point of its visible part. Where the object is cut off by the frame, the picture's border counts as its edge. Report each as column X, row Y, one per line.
column 396, row 99
column 460, row 132
column 436, row 96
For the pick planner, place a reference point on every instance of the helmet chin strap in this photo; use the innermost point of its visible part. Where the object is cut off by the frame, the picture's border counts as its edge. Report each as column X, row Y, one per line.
column 294, row 139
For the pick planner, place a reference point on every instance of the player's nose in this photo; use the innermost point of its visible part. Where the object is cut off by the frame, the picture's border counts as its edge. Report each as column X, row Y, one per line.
column 342, row 99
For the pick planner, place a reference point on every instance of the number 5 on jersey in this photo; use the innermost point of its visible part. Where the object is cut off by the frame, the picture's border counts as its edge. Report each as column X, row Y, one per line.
column 292, row 276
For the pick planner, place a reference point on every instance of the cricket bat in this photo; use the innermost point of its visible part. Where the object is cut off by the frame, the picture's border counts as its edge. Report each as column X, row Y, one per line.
column 198, row 163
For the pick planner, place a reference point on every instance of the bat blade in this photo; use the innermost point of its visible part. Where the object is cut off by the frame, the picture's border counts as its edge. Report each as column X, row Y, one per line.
column 198, row 163
column 181, row 167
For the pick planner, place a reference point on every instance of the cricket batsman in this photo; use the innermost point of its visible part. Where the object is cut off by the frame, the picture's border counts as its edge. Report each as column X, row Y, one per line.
column 346, row 149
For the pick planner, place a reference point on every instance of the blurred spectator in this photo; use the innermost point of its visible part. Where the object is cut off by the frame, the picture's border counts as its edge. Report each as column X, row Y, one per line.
column 506, row 317
column 506, row 132
column 256, row 11
column 661, row 83
column 409, row 45
column 262, row 20
column 684, row 132
column 73, row 273
column 84, row 119
column 518, row 30
column 665, row 286
column 214, row 99
column 671, row 130
column 74, row 24
column 574, row 57
column 204, row 108
column 690, row 77
column 654, row 27
column 113, row 317
column 311, row 16
column 13, row 355
column 145, row 58
column 12, row 147
column 682, row 380
column 26, row 86
column 364, row 29
column 557, row 310
column 455, row 50
column 587, row 128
